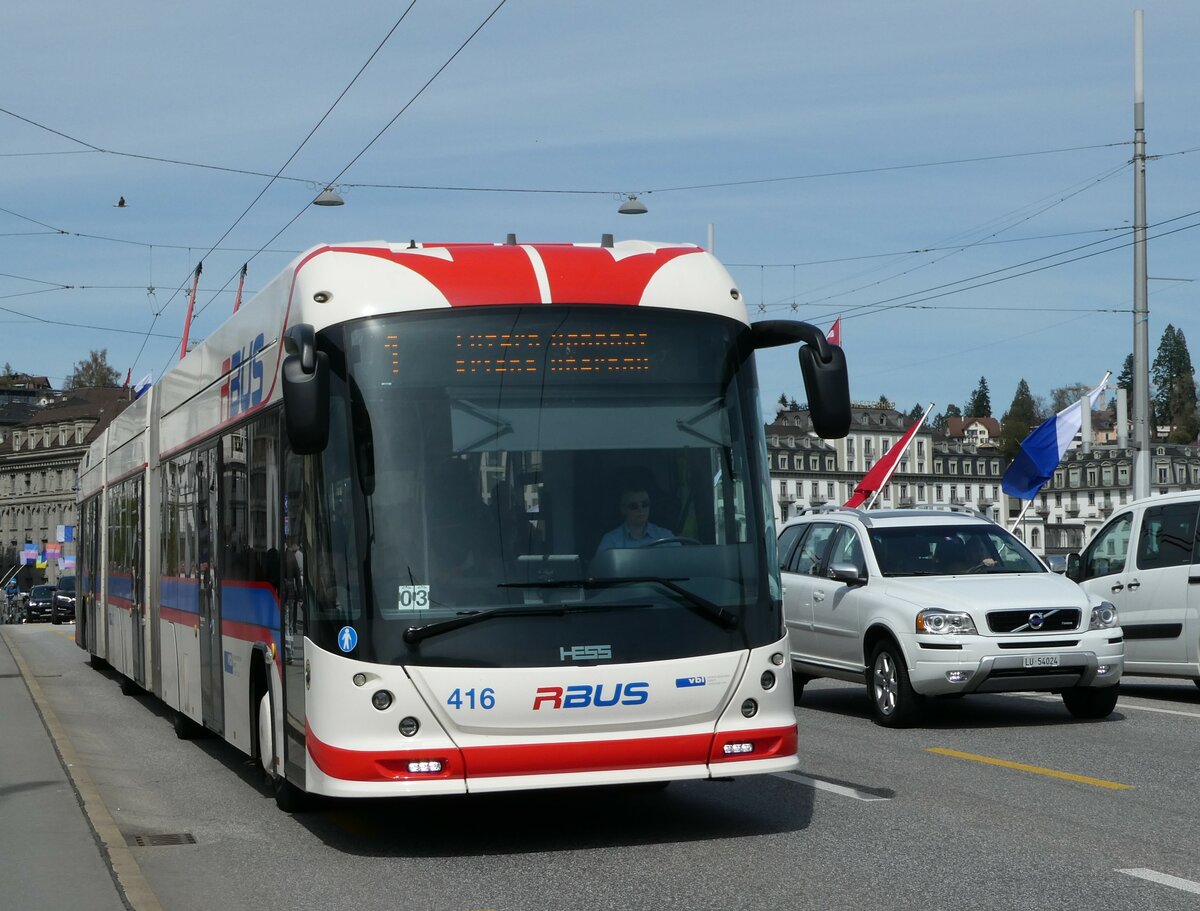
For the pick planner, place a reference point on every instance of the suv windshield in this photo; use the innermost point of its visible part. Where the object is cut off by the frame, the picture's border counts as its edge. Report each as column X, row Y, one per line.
column 41, row 591
column 66, row 585
column 950, row 550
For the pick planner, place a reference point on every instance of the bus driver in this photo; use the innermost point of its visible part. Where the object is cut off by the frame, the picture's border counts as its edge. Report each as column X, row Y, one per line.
column 636, row 530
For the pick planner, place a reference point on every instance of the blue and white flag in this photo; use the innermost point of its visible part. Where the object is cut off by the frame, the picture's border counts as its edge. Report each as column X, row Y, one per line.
column 1045, row 447
column 142, row 385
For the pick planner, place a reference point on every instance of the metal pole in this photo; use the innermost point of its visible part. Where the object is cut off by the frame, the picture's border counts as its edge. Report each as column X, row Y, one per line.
column 1141, row 316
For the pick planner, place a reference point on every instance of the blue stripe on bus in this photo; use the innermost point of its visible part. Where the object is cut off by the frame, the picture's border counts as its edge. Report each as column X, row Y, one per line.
column 252, row 603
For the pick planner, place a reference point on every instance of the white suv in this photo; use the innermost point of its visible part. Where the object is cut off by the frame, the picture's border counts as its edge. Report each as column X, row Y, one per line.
column 920, row 602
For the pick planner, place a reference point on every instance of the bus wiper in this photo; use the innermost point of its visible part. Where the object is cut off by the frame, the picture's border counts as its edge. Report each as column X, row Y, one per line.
column 417, row 633
column 701, row 606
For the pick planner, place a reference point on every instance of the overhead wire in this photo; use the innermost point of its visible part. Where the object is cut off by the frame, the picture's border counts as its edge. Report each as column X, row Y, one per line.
column 377, row 136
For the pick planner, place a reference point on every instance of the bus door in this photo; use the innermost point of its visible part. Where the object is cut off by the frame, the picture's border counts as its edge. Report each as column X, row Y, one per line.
column 212, row 697
column 137, row 595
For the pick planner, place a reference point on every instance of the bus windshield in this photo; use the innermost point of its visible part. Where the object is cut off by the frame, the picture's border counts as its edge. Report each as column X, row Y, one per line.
column 531, row 486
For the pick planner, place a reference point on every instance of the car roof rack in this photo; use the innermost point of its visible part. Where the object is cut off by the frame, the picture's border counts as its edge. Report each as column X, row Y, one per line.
column 832, row 508
column 953, row 507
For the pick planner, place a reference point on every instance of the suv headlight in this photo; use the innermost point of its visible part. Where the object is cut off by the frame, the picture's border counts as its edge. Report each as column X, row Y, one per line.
column 945, row 623
column 1104, row 616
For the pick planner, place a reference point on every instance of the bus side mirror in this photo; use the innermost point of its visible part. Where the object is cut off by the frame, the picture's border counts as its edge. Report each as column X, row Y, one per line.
column 1074, row 568
column 305, row 391
column 823, row 367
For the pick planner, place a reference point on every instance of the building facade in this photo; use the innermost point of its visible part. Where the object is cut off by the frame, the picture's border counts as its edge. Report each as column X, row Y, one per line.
column 941, row 470
column 39, row 473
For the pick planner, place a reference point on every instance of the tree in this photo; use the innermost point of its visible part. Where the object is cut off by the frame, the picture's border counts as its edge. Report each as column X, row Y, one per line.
column 782, row 402
column 93, row 372
column 916, row 411
column 980, row 403
column 1021, row 417
column 1125, row 379
column 1170, row 364
column 884, row 402
column 940, row 421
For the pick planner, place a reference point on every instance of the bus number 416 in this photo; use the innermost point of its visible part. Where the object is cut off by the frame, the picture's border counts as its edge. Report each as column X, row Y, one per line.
column 469, row 699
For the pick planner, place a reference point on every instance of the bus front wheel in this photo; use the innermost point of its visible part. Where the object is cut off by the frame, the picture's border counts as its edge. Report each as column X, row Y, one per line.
column 288, row 797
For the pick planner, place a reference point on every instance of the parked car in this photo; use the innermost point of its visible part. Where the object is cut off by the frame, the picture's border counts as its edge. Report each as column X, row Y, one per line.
column 40, row 604
column 918, row 603
column 1146, row 561
column 64, row 600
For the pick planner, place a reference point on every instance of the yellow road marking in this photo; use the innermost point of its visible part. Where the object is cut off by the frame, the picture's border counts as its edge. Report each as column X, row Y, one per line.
column 1036, row 770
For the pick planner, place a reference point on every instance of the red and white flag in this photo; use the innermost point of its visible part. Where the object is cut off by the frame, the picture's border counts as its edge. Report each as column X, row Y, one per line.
column 834, row 336
column 881, row 472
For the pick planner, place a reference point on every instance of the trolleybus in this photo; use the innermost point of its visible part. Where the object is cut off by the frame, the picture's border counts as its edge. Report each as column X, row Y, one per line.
column 356, row 532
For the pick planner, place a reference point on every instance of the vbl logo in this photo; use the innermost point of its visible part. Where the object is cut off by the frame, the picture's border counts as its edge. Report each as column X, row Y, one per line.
column 243, row 385
column 580, row 696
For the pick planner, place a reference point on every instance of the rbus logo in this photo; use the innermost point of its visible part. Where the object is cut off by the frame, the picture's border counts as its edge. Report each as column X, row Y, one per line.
column 580, row 696
column 242, row 388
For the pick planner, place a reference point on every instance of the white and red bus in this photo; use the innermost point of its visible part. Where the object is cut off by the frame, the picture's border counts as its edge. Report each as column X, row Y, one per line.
column 357, row 531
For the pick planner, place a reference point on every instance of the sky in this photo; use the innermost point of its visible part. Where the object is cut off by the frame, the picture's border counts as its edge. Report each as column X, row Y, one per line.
column 950, row 177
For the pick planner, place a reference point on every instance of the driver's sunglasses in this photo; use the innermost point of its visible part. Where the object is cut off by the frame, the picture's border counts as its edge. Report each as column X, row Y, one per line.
column 638, row 504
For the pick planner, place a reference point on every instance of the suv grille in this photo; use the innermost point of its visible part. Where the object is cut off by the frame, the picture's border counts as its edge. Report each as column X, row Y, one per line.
column 1050, row 620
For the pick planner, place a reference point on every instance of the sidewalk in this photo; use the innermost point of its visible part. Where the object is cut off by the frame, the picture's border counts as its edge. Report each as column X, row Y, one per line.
column 50, row 857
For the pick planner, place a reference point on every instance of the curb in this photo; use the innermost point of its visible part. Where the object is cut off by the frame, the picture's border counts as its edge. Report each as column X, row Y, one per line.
column 131, row 884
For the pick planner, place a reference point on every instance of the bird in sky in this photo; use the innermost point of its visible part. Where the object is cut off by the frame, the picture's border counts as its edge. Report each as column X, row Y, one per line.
column 121, row 203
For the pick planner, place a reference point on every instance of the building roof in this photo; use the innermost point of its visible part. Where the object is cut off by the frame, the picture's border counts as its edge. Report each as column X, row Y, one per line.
column 956, row 428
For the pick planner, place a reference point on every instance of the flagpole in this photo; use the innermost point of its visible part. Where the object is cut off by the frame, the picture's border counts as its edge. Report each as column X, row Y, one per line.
column 1024, row 509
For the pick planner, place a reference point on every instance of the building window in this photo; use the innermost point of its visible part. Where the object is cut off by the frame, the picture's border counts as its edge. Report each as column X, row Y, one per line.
column 937, row 466
column 995, row 466
column 1123, row 474
column 966, row 467
column 953, row 467
column 1091, row 477
column 829, row 463
column 1162, row 474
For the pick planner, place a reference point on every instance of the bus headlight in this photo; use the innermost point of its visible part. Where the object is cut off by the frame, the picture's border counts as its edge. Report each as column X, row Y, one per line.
column 381, row 699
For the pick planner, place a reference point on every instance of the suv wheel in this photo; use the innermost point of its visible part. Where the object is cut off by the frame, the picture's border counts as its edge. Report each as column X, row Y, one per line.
column 1091, row 702
column 894, row 703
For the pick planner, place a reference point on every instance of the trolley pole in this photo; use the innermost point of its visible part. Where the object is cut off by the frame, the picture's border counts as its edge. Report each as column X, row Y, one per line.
column 1141, row 315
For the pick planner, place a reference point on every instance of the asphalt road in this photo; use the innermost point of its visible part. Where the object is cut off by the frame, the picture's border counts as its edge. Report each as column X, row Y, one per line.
column 995, row 802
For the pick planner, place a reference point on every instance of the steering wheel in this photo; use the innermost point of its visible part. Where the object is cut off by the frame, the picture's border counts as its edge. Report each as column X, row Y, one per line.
column 674, row 539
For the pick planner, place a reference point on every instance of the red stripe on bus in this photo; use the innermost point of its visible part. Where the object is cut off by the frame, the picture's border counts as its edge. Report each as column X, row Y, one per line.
column 592, row 275
column 504, row 760
column 473, row 276
column 182, row 617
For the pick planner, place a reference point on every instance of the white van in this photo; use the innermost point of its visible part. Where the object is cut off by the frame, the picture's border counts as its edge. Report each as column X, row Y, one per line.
column 1146, row 561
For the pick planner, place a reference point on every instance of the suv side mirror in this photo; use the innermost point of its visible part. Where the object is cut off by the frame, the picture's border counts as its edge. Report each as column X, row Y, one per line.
column 846, row 572
column 1074, row 568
